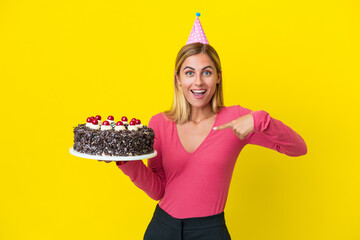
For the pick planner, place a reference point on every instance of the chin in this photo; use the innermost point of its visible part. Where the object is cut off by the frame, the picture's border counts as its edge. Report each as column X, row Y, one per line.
column 198, row 104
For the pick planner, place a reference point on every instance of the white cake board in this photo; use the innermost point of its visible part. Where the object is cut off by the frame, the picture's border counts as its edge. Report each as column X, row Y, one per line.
column 113, row 158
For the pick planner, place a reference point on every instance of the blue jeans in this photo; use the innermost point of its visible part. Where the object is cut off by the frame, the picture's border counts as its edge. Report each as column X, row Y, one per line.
column 165, row 227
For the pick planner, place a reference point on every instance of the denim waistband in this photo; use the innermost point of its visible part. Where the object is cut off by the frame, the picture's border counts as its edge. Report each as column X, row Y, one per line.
column 189, row 223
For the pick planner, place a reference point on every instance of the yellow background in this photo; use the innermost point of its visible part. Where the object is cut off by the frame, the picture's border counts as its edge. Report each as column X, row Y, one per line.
column 62, row 61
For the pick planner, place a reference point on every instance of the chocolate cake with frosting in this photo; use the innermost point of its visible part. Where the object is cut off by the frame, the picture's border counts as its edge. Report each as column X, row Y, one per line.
column 113, row 139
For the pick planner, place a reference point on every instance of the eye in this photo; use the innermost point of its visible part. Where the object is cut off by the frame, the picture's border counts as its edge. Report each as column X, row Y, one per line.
column 188, row 74
column 207, row 72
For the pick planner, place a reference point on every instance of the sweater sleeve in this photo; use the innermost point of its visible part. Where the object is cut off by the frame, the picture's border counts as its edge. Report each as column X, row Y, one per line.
column 151, row 178
column 272, row 133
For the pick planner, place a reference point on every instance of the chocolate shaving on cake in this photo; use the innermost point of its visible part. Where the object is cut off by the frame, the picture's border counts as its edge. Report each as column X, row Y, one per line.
column 113, row 143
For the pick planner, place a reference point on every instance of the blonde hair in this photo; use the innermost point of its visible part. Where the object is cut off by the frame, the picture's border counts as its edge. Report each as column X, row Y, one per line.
column 181, row 110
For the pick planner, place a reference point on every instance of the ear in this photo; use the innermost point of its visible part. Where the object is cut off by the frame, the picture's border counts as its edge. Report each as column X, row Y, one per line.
column 219, row 77
column 177, row 78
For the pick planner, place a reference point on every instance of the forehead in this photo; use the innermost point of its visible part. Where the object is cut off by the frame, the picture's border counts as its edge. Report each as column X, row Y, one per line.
column 198, row 60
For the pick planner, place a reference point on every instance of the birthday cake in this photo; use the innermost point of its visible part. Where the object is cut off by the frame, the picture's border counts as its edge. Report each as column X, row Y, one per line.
column 110, row 138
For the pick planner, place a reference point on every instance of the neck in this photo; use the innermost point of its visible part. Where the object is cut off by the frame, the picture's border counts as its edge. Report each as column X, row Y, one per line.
column 199, row 114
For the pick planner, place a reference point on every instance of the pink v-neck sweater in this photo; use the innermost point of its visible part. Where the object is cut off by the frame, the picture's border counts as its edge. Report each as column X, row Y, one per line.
column 196, row 184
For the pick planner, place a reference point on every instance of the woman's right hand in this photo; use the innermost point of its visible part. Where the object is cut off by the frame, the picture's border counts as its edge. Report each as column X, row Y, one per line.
column 104, row 161
column 118, row 163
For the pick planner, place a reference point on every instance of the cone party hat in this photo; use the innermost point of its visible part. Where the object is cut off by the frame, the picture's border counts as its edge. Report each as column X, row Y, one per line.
column 197, row 34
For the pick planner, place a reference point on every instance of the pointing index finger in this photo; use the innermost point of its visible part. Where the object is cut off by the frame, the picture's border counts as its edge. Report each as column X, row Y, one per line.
column 226, row 125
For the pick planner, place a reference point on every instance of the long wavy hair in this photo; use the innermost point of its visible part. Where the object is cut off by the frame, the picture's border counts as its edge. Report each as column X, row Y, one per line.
column 180, row 110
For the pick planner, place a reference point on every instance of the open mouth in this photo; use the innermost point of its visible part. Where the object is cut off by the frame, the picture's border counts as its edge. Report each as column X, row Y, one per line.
column 198, row 93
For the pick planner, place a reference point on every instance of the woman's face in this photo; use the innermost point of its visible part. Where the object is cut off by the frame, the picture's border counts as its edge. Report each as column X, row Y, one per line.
column 198, row 79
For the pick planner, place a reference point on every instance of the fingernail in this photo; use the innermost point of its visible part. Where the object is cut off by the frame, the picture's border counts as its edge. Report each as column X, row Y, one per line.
column 214, row 128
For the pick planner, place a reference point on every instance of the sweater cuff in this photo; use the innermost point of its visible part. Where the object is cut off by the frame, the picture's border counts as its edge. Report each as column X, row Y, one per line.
column 261, row 120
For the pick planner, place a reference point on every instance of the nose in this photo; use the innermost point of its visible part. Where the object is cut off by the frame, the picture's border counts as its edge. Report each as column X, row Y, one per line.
column 198, row 80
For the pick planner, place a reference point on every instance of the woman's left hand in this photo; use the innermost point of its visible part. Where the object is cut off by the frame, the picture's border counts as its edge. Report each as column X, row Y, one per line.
column 241, row 126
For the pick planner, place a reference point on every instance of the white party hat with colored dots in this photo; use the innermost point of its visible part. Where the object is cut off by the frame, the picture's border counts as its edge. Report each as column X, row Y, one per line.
column 197, row 34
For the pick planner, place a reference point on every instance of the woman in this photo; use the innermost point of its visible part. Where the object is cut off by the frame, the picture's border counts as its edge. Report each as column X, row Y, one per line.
column 198, row 141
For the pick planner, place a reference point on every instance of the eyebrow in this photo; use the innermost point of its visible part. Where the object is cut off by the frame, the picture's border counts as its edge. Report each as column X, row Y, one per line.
column 194, row 68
